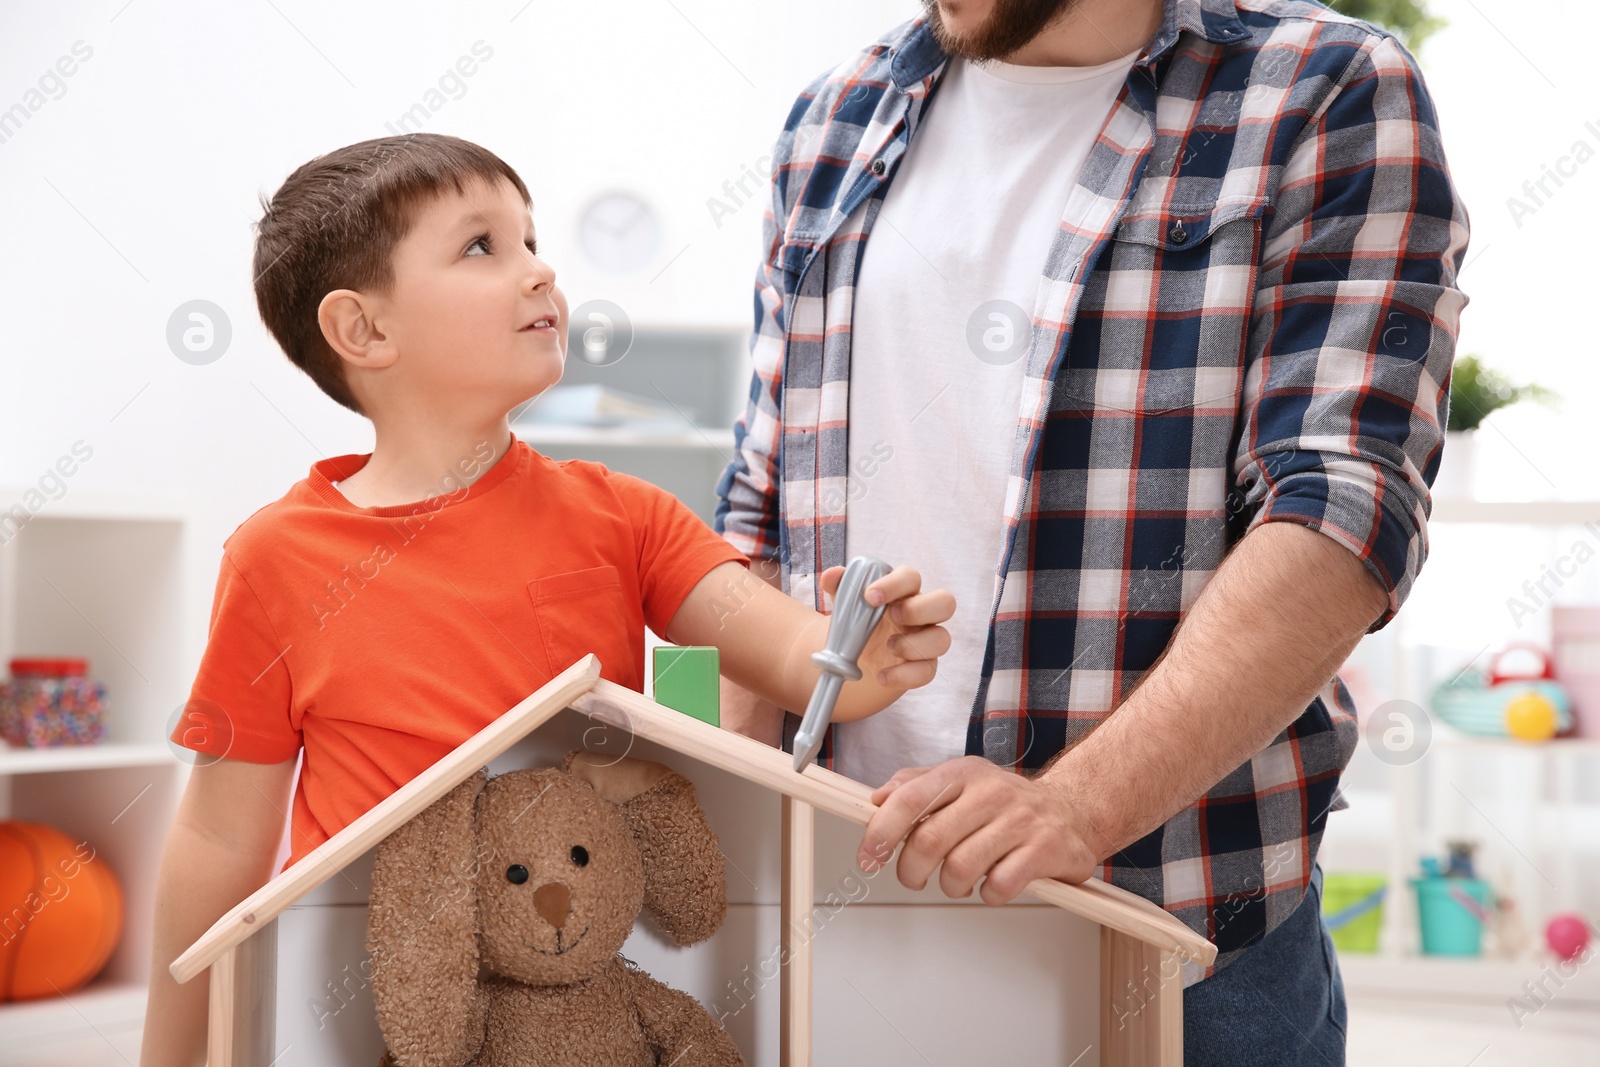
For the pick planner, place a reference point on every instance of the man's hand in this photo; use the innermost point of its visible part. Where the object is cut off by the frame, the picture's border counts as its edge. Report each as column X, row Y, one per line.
column 979, row 821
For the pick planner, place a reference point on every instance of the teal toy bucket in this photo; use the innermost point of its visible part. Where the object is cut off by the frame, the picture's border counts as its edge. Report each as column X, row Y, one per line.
column 1452, row 913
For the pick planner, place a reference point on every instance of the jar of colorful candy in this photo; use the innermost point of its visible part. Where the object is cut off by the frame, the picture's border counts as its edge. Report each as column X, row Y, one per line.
column 49, row 702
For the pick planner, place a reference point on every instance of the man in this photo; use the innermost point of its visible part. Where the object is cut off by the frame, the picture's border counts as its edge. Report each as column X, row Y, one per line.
column 1111, row 313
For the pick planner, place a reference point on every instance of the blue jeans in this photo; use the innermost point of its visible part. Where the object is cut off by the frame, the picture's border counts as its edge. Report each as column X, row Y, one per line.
column 1279, row 1004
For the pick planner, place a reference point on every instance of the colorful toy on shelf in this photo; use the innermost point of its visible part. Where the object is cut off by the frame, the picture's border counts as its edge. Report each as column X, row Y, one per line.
column 1567, row 935
column 1575, row 647
column 686, row 680
column 1510, row 934
column 1452, row 910
column 1531, row 717
column 1460, row 864
column 49, row 702
column 1494, row 703
column 60, row 912
column 1352, row 909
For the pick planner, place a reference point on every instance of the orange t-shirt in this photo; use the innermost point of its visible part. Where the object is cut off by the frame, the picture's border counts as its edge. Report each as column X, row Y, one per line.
column 381, row 638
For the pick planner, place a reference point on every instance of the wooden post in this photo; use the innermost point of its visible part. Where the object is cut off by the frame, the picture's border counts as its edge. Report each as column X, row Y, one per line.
column 1141, row 1003
column 243, row 996
column 794, row 984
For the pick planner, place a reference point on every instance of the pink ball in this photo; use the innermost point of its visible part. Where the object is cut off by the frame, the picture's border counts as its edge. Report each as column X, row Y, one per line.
column 1567, row 935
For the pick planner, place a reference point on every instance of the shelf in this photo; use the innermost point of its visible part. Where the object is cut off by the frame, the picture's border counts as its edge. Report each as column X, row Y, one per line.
column 110, row 577
column 1493, row 978
column 106, row 507
column 1511, row 512
column 1585, row 746
column 1447, row 736
column 535, row 434
column 83, row 758
column 100, row 1005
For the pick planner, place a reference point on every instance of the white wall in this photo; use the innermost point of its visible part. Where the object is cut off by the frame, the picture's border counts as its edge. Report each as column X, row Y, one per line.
column 1513, row 98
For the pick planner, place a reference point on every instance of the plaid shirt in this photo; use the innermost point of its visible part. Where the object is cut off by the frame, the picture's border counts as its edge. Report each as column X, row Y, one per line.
column 1247, row 314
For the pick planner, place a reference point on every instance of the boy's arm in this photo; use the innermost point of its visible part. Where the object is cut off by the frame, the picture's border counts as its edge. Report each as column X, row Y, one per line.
column 223, row 842
column 743, row 712
column 765, row 638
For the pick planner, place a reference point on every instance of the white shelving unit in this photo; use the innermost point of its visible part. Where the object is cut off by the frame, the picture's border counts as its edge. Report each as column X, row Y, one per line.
column 109, row 579
column 1425, row 805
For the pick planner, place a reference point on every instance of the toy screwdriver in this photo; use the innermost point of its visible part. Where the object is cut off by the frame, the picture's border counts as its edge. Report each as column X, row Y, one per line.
column 851, row 623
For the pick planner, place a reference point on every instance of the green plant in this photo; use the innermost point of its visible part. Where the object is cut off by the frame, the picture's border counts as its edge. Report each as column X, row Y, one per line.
column 1476, row 390
column 1406, row 19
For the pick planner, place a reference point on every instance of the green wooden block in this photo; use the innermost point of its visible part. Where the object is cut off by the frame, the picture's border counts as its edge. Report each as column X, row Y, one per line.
column 686, row 680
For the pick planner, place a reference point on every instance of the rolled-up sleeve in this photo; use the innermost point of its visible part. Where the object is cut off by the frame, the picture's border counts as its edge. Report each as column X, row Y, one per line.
column 1354, row 327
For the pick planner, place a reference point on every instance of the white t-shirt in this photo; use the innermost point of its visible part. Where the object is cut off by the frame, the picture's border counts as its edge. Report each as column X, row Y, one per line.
column 936, row 369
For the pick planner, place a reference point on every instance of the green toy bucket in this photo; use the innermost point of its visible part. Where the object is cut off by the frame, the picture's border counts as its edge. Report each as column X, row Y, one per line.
column 1452, row 913
column 1352, row 908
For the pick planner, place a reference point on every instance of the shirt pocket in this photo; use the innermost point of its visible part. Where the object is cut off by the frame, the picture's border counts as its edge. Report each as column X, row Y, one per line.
column 1176, row 308
column 1179, row 229
column 585, row 611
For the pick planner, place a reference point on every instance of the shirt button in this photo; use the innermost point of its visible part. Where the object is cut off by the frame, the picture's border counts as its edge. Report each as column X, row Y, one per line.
column 877, row 168
column 1178, row 233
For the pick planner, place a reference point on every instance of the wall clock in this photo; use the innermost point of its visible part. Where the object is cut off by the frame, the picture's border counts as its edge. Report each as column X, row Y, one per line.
column 620, row 232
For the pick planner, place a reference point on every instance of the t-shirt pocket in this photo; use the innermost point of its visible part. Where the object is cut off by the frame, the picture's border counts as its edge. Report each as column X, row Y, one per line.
column 584, row 611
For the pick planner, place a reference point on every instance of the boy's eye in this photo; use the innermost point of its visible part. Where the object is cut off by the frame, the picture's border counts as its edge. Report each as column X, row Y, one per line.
column 486, row 241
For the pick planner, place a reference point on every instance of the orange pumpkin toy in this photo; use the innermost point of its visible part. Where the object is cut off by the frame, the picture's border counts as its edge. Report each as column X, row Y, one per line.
column 60, row 912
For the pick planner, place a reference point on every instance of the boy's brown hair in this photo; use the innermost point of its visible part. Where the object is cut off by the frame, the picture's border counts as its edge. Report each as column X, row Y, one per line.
column 334, row 224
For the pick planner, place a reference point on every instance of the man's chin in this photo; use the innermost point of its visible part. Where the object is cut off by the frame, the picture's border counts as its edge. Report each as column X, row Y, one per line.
column 985, row 30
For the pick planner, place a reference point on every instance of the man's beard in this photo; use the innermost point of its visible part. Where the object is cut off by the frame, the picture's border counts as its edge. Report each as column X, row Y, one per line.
column 1012, row 24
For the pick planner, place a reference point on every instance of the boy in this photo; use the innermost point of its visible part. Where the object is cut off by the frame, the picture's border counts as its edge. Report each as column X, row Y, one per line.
column 390, row 605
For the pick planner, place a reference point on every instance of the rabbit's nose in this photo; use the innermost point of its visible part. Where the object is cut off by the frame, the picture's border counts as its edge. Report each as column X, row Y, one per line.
column 553, row 902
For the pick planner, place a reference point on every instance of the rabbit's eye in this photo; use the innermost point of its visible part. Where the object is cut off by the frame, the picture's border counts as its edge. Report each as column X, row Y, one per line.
column 516, row 874
column 580, row 855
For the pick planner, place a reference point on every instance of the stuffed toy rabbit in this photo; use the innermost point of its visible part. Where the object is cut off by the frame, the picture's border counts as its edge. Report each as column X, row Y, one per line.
column 497, row 914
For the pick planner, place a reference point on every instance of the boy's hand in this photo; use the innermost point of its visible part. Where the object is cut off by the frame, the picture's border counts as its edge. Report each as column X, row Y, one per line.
column 904, row 650
column 766, row 638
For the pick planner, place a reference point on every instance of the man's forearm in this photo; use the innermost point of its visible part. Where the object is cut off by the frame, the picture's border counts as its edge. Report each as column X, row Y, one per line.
column 1282, row 613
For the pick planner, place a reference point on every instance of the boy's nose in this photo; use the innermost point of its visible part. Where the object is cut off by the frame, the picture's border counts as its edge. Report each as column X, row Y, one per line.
column 541, row 274
column 553, row 902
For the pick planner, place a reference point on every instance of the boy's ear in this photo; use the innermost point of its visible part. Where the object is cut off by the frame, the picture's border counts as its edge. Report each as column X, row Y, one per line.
column 350, row 328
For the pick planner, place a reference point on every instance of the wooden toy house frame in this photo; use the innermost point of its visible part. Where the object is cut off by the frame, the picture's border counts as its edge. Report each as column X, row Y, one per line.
column 1137, row 939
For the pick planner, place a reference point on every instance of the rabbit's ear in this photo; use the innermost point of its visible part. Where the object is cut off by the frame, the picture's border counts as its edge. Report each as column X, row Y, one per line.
column 685, row 886
column 422, row 933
